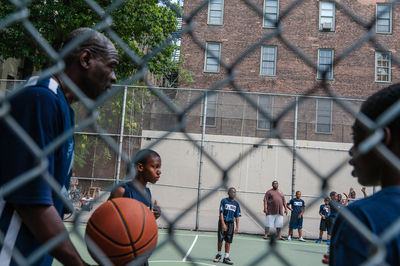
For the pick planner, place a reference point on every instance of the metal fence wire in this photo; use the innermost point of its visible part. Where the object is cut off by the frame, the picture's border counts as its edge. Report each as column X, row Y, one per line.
column 21, row 15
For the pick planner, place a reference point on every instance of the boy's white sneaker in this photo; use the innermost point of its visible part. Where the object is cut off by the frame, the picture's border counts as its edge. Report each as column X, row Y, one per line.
column 289, row 238
column 302, row 239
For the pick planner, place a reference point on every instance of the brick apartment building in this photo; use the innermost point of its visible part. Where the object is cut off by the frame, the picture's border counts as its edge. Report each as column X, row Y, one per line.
column 321, row 30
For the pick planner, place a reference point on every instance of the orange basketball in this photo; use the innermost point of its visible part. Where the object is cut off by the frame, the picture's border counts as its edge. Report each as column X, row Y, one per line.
column 123, row 229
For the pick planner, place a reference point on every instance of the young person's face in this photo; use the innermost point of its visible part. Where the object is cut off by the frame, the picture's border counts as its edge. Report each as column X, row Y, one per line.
column 366, row 167
column 232, row 193
column 298, row 195
column 326, row 202
column 151, row 170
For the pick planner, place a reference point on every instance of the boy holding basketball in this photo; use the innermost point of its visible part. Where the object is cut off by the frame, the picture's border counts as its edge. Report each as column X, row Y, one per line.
column 148, row 169
column 296, row 219
column 229, row 212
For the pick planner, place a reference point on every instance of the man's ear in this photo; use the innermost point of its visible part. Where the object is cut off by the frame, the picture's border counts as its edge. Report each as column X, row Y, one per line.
column 388, row 136
column 84, row 59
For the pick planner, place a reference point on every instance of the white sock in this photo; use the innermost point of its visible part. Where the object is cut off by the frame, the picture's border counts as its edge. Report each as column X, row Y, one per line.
column 226, row 255
column 219, row 253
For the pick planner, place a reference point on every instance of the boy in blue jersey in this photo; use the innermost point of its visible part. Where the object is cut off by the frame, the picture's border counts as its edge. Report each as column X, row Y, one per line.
column 229, row 212
column 296, row 218
column 324, row 212
column 148, row 169
column 379, row 212
column 31, row 214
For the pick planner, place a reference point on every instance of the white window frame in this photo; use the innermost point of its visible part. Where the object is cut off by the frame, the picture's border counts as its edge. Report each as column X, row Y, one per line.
column 206, row 57
column 330, row 117
column 390, row 18
column 319, row 76
column 277, row 14
column 271, row 112
column 209, row 13
column 262, row 60
column 332, row 18
column 389, row 71
column 207, row 114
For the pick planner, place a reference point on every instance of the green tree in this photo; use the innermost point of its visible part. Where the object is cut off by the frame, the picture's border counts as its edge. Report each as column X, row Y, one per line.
column 142, row 24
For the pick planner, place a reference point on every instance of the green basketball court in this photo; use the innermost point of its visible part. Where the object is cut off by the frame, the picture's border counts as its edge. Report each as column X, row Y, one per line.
column 201, row 247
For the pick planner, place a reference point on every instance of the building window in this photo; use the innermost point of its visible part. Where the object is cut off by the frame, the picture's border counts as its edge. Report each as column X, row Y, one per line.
column 271, row 11
column 268, row 61
column 324, row 116
column 325, row 63
column 213, row 55
column 211, row 111
column 382, row 66
column 265, row 102
column 215, row 12
column 383, row 18
column 326, row 16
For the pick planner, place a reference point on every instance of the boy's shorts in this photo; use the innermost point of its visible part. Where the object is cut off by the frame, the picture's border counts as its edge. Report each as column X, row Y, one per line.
column 274, row 220
column 296, row 223
column 225, row 235
column 324, row 225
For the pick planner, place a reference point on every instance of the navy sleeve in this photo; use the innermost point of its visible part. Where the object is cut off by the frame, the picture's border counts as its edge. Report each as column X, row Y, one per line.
column 221, row 207
column 36, row 111
column 238, row 213
column 321, row 208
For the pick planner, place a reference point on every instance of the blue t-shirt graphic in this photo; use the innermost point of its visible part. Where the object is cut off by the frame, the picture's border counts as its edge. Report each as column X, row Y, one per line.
column 297, row 206
column 325, row 210
column 229, row 209
column 43, row 112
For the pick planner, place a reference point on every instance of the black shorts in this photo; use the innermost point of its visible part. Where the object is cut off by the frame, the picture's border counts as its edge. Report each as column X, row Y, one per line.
column 228, row 234
column 324, row 225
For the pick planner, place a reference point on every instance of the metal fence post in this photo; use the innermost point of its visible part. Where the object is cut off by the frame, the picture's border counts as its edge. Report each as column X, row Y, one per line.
column 294, row 147
column 121, row 136
column 203, row 131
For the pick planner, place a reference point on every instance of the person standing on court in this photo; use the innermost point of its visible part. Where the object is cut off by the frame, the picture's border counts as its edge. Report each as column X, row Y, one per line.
column 274, row 200
column 32, row 214
column 229, row 212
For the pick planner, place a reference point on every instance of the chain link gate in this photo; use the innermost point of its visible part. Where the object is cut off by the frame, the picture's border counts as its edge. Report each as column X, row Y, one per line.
column 22, row 15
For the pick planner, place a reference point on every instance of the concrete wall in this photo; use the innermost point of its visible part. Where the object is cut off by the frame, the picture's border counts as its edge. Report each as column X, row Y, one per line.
column 252, row 176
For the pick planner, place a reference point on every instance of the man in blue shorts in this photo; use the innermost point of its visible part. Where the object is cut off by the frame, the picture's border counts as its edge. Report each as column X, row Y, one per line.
column 31, row 214
column 229, row 212
column 296, row 218
column 380, row 211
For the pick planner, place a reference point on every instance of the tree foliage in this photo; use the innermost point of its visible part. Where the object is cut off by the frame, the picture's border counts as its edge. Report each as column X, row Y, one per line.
column 142, row 24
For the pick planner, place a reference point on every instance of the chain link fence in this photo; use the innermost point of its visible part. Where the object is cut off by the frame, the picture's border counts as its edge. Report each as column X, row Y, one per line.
column 110, row 130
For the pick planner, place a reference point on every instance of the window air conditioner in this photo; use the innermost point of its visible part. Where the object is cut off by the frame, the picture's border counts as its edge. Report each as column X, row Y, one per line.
column 326, row 26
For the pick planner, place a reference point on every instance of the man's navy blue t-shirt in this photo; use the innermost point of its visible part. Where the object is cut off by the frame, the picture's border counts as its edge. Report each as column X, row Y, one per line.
column 377, row 212
column 229, row 209
column 131, row 192
column 44, row 114
column 297, row 206
column 325, row 210
column 334, row 212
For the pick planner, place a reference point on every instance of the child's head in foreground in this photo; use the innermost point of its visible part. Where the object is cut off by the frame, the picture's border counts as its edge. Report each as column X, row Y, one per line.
column 372, row 169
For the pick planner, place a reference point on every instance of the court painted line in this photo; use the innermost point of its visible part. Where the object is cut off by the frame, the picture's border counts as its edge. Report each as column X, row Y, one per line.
column 178, row 261
column 293, row 242
column 191, row 247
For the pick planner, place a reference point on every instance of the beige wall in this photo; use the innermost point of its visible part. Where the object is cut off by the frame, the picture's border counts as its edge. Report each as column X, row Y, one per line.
column 10, row 67
column 252, row 176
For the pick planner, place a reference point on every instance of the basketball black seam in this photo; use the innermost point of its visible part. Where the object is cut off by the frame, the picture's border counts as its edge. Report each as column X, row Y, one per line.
column 106, row 236
column 144, row 221
column 151, row 239
column 132, row 244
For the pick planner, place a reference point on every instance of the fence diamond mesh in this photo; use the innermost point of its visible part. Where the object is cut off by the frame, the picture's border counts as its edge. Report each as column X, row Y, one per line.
column 111, row 129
